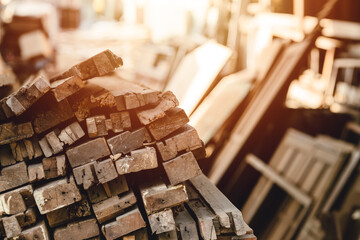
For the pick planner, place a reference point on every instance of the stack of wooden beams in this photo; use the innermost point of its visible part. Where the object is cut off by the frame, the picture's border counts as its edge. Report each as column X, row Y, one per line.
column 85, row 155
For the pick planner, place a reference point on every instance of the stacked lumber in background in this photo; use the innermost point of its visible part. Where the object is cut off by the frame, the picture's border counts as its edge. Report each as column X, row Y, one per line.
column 85, row 155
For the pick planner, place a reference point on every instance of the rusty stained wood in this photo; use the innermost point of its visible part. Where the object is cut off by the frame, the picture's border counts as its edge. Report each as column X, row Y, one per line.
column 56, row 194
column 124, row 224
column 112, row 207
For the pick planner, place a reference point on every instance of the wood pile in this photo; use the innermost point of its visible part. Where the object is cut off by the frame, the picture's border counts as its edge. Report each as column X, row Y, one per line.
column 85, row 155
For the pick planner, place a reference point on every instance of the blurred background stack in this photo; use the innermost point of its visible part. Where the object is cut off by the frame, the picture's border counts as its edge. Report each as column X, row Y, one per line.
column 272, row 87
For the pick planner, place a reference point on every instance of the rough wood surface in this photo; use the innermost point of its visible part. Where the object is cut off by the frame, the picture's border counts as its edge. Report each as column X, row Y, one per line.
column 26, row 218
column 13, row 176
column 98, row 65
column 117, row 186
column 11, row 226
column 172, row 235
column 173, row 120
column 128, row 141
column 36, row 172
column 85, row 175
column 10, row 132
column 158, row 196
column 54, row 166
column 71, row 133
column 58, row 113
column 112, row 207
column 139, row 160
column 184, row 139
column 186, row 226
column 66, row 87
column 56, row 194
column 6, row 156
column 124, row 224
column 95, row 149
column 13, row 202
column 229, row 216
column 167, row 101
column 127, row 95
column 105, row 171
column 28, row 94
column 162, row 221
column 205, row 219
column 78, row 230
column 66, row 214
column 182, row 168
column 38, row 232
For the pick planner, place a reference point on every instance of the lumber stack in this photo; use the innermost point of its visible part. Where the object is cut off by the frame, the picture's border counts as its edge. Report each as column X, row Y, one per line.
column 85, row 155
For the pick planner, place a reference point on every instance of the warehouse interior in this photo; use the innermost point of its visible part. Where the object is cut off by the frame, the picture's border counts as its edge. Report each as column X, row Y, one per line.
column 271, row 87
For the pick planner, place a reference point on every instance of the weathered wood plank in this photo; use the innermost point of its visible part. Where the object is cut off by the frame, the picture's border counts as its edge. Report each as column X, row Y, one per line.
column 85, row 175
column 128, row 141
column 158, row 196
column 172, row 235
column 184, row 139
column 6, row 156
column 78, row 230
column 126, row 94
column 112, row 207
column 36, row 172
column 228, row 214
column 11, row 226
column 95, row 149
column 98, row 65
column 174, row 119
column 66, row 214
column 54, row 166
column 38, row 232
column 58, row 113
column 71, row 133
column 105, row 171
column 54, row 142
column 162, row 221
column 139, row 160
column 10, row 132
column 205, row 219
column 167, row 101
column 186, row 226
column 124, row 224
column 13, row 176
column 66, row 87
column 28, row 94
column 182, row 168
column 117, row 186
column 56, row 194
